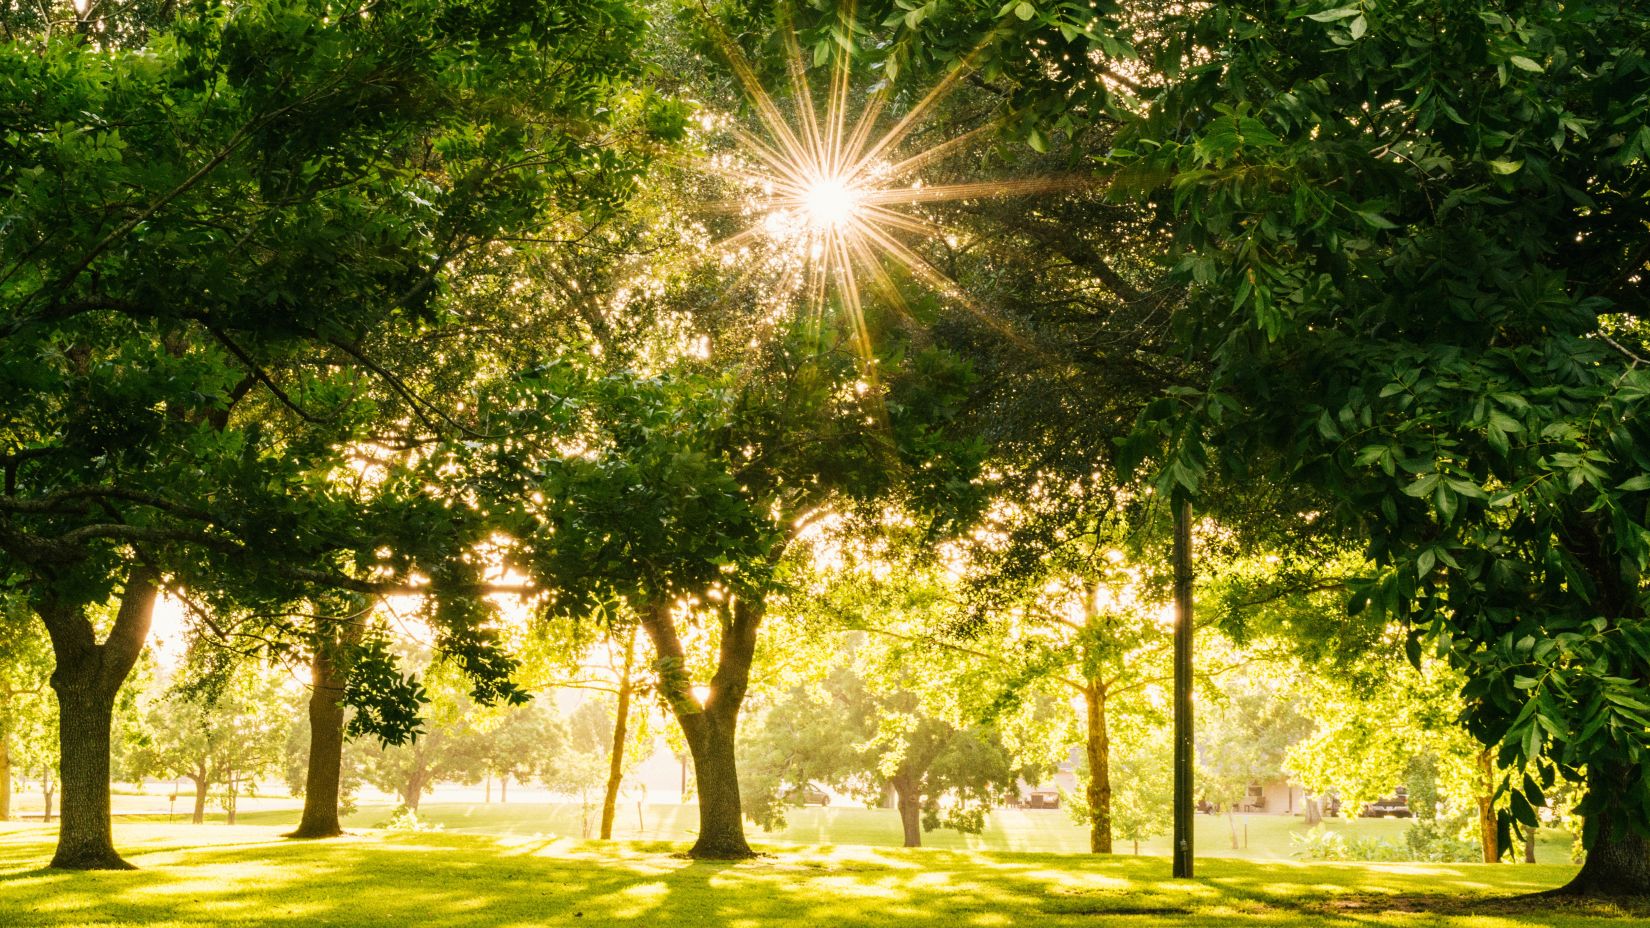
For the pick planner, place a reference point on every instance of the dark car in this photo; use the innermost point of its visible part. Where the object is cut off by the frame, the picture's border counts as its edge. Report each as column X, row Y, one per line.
column 1393, row 806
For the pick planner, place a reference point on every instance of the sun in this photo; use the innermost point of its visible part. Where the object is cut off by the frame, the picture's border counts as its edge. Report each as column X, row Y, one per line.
column 831, row 203
column 824, row 183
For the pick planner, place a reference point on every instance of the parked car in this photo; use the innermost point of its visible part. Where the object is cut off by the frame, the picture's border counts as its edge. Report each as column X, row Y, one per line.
column 1393, row 806
column 1041, row 799
column 811, row 794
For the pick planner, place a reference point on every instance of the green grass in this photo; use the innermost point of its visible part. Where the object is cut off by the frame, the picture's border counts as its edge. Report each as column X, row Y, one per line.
column 1049, row 831
column 248, row 875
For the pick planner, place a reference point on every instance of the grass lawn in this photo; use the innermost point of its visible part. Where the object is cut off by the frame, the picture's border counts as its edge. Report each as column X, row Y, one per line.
column 247, row 875
column 1050, row 831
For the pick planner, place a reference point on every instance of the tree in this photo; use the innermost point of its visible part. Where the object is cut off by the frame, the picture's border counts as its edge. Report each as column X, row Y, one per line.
column 1243, row 740
column 690, row 488
column 1449, row 348
column 186, row 362
column 217, row 731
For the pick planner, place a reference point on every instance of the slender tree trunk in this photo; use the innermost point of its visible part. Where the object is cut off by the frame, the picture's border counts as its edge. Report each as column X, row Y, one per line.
column 5, row 772
column 909, row 803
column 710, row 729
column 489, row 779
column 1618, row 862
column 1486, row 808
column 48, row 789
column 87, row 678
column 1099, row 753
column 229, row 802
column 1231, row 822
column 200, row 801
column 504, row 789
column 1530, row 836
column 323, row 780
column 621, row 722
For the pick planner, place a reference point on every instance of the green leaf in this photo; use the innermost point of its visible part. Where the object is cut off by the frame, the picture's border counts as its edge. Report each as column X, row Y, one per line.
column 1525, row 64
column 1329, row 16
column 1506, row 167
column 1420, row 488
column 1359, row 27
column 1641, row 482
column 1025, row 11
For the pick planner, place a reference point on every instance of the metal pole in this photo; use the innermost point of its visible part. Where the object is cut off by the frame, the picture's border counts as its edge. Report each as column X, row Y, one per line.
column 1183, row 745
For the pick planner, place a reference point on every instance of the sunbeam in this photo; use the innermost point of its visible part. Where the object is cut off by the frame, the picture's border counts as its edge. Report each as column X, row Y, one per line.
column 829, row 188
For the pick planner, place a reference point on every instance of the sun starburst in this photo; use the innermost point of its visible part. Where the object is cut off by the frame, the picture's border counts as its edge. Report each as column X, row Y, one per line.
column 822, row 181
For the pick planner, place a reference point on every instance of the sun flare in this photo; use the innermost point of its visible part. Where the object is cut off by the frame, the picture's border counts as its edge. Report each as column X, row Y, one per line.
column 821, row 183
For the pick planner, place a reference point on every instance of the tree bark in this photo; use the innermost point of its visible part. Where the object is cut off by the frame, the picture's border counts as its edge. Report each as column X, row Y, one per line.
column 323, row 779
column 413, row 791
column 1314, row 811
column 1486, row 808
column 489, row 780
column 230, row 798
column 504, row 789
column 86, row 679
column 46, row 794
column 1098, row 743
column 1618, row 862
column 199, row 818
column 621, row 723
column 1530, row 836
column 909, row 803
column 5, row 772
column 710, row 729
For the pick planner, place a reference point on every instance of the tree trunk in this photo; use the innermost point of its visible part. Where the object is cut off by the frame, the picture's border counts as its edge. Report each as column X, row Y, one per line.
column 621, row 722
column 1486, row 808
column 710, row 729
column 1314, row 811
column 86, row 679
column 413, row 791
column 1231, row 822
column 323, row 786
column 1099, row 754
column 229, row 801
column 5, row 773
column 1618, row 861
column 504, row 789
column 47, row 791
column 1530, row 837
column 199, row 817
column 910, row 810
column 489, row 780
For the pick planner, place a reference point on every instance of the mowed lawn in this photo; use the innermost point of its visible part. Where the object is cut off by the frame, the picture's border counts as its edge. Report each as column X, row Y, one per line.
column 1260, row 837
column 248, row 875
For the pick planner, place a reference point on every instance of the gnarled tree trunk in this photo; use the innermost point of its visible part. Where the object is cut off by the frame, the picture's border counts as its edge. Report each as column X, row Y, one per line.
column 323, row 777
column 87, row 678
column 621, row 724
column 1098, row 744
column 710, row 729
column 1618, row 862
column 908, row 799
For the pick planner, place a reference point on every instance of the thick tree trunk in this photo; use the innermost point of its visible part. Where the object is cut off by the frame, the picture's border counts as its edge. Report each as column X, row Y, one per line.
column 1618, row 862
column 1098, row 744
column 909, row 803
column 1314, row 811
column 86, row 679
column 710, row 729
column 621, row 724
column 1530, row 838
column 413, row 791
column 323, row 778
column 199, row 817
column 1487, row 835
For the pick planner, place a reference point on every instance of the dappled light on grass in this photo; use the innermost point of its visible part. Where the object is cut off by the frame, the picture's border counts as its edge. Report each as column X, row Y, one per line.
column 245, row 875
